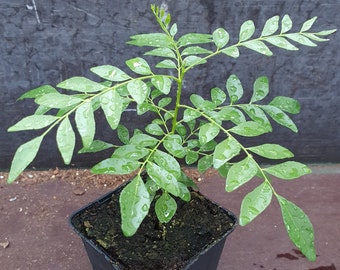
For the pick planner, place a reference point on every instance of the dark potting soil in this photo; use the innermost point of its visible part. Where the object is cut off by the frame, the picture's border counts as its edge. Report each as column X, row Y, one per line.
column 196, row 225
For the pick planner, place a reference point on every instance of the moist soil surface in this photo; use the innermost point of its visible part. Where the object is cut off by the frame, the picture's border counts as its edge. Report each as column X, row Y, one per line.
column 196, row 225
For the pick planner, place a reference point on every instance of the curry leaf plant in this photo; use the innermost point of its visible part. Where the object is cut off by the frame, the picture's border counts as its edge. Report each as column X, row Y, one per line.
column 202, row 132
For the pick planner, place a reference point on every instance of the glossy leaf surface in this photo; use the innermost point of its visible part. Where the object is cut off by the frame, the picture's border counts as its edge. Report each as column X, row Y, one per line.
column 81, row 84
column 165, row 208
column 134, row 205
column 288, row 170
column 66, row 140
column 110, row 73
column 225, row 151
column 33, row 122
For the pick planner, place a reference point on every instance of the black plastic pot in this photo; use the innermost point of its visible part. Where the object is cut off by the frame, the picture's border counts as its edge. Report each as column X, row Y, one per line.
column 100, row 260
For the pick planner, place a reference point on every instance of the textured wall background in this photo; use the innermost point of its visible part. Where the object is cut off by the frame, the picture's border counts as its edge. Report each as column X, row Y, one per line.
column 47, row 41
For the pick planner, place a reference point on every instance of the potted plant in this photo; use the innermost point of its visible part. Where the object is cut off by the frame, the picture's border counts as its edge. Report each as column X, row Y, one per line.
column 203, row 132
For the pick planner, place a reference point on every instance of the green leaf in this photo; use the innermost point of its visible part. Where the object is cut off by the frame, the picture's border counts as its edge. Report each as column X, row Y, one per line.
column 110, row 73
column 286, row 24
column 112, row 105
column 240, row 173
column 224, row 151
column 220, row 37
column 143, row 140
column 165, row 208
column 257, row 115
column 194, row 38
column 33, row 122
column 195, row 50
column 261, row 89
column 281, row 42
column 57, row 100
column 234, row 88
column 38, row 92
column 280, row 117
column 138, row 90
column 85, row 123
column 190, row 114
column 299, row 227
column 96, row 146
column 123, row 134
column 272, row 151
column 115, row 165
column 218, row 96
column 139, row 66
column 258, row 46
column 163, row 178
column 173, row 30
column 191, row 157
column 326, row 32
column 250, row 129
column 193, row 60
column 231, row 114
column 166, row 64
column 254, row 203
column 134, row 203
column 185, row 194
column 271, row 26
column 231, row 51
column 130, row 151
column 286, row 104
column 208, row 132
column 66, row 140
column 308, row 24
column 154, row 129
column 168, row 163
column 23, row 157
column 300, row 38
column 173, row 144
column 162, row 83
column 247, row 30
column 224, row 169
column 81, row 84
column 204, row 163
column 288, row 170
column 152, row 40
column 162, row 52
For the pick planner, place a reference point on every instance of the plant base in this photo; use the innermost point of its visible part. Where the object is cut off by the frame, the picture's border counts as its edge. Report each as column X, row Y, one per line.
column 193, row 239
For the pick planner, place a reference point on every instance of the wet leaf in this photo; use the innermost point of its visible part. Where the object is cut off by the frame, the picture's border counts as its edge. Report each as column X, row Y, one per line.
column 110, row 73
column 258, row 46
column 33, row 122
column 57, row 100
column 218, row 96
column 193, row 60
column 272, row 151
column 168, row 163
column 96, row 146
column 193, row 50
column 81, row 84
column 162, row 52
column 250, row 129
column 286, row 24
column 112, row 105
column 154, row 129
column 280, row 117
column 299, row 38
column 261, row 89
column 234, row 88
column 23, row 157
column 308, row 24
column 194, row 38
column 208, row 132
column 134, row 203
column 85, row 123
column 130, row 151
column 220, row 37
column 115, row 165
column 166, row 64
column 152, row 40
column 231, row 51
column 271, row 26
column 288, row 170
column 143, row 140
column 162, row 83
column 224, row 151
column 38, row 92
column 231, row 114
column 299, row 227
column 254, row 203
column 286, row 104
column 163, row 178
column 123, row 134
column 281, row 42
column 204, row 163
column 66, row 140
column 173, row 144
column 165, row 208
column 247, row 30
column 240, row 173
column 139, row 66
column 257, row 115
column 138, row 90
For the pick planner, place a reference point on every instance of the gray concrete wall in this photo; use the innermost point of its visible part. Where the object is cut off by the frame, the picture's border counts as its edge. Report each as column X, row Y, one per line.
column 47, row 41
